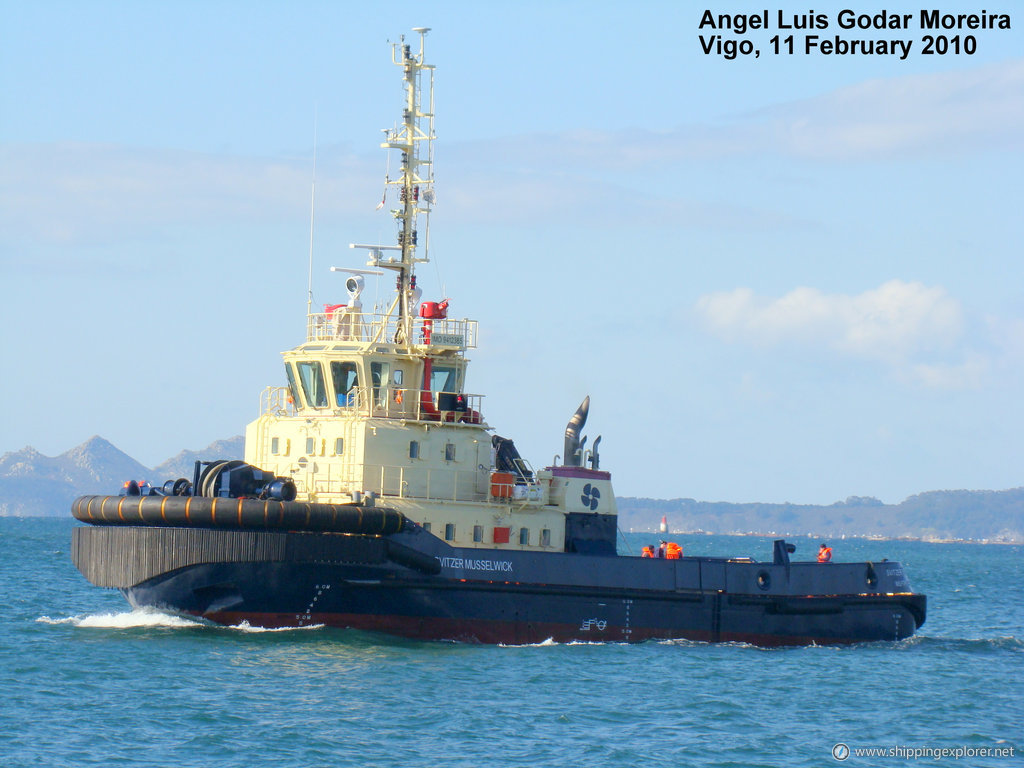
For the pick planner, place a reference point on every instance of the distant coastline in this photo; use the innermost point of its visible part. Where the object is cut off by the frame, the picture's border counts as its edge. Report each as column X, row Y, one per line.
column 989, row 517
column 653, row 531
column 34, row 485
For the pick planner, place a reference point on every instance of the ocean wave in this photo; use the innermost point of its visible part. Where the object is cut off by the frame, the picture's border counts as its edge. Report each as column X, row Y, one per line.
column 968, row 644
column 542, row 644
column 245, row 626
column 140, row 617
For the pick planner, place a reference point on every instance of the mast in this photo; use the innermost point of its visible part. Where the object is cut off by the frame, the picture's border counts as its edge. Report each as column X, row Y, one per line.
column 413, row 137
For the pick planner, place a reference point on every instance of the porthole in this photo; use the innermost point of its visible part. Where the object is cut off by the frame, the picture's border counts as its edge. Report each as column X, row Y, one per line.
column 764, row 580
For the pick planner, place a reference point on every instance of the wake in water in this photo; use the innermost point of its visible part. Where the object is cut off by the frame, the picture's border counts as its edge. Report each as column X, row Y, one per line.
column 246, row 627
column 150, row 618
column 971, row 645
column 140, row 617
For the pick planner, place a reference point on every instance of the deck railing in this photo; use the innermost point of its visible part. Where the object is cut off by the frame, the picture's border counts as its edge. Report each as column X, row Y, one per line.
column 362, row 327
column 426, row 484
column 384, row 402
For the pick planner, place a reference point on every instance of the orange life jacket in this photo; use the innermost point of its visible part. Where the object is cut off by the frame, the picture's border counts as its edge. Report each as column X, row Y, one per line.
column 825, row 555
column 646, row 552
column 673, row 551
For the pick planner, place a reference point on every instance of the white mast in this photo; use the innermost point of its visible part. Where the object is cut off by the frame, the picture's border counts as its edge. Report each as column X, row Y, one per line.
column 415, row 182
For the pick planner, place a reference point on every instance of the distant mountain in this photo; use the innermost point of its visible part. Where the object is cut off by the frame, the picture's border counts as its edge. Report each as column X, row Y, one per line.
column 34, row 485
column 183, row 465
column 935, row 515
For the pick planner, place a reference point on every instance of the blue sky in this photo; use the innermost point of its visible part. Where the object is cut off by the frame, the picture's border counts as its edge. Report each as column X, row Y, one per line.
column 779, row 279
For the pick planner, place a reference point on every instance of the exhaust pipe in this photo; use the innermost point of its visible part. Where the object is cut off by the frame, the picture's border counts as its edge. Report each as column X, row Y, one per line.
column 573, row 455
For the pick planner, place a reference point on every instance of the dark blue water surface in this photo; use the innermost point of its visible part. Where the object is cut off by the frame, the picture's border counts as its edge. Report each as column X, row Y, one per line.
column 85, row 681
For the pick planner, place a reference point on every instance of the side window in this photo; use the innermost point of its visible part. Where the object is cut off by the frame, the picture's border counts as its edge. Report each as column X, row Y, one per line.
column 449, row 451
column 379, row 374
column 311, row 374
column 524, row 535
column 345, row 379
column 478, row 533
column 449, row 532
column 293, row 390
column 414, row 449
column 339, row 446
column 275, row 445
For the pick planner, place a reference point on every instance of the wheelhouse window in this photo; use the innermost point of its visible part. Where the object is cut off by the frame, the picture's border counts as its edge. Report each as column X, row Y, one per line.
column 379, row 376
column 444, row 379
column 345, row 378
column 293, row 390
column 311, row 374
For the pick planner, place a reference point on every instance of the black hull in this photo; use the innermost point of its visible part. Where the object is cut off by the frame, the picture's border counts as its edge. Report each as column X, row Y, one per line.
column 413, row 585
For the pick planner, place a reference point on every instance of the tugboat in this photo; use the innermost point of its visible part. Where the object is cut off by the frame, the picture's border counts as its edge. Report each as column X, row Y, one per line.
column 374, row 495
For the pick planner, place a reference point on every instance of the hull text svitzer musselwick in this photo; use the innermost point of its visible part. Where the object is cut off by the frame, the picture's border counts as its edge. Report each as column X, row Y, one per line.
column 374, row 495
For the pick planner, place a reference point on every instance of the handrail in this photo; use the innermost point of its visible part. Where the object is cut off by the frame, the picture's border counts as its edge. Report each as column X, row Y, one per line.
column 385, row 401
column 278, row 401
column 365, row 327
column 428, row 484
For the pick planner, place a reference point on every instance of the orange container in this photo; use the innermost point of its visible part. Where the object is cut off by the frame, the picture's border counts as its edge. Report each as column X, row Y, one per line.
column 502, row 484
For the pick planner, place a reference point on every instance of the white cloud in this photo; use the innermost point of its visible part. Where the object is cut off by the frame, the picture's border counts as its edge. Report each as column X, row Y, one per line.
column 947, row 111
column 896, row 323
column 76, row 192
column 969, row 374
column 955, row 111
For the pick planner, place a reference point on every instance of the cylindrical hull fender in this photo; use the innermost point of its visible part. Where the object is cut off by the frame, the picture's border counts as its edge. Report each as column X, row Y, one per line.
column 252, row 514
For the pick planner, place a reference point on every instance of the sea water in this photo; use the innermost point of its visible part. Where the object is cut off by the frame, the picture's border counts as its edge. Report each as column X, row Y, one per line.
column 86, row 681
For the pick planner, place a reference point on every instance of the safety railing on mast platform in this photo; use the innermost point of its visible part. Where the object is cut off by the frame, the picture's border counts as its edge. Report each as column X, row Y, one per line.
column 339, row 325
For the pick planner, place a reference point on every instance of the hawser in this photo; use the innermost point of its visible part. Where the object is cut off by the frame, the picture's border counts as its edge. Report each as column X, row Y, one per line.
column 373, row 494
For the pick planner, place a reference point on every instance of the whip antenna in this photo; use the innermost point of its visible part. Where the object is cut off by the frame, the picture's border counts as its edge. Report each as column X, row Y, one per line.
column 312, row 216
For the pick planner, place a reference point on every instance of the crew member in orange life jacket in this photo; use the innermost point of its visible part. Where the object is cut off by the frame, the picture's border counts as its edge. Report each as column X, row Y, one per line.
column 647, row 551
column 673, row 551
column 825, row 554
